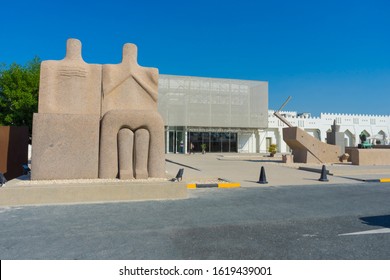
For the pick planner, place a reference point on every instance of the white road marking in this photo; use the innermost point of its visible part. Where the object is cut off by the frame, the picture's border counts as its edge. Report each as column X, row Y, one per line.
column 309, row 235
column 374, row 231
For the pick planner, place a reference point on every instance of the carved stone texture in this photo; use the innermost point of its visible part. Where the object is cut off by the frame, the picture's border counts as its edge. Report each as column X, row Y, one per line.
column 142, row 140
column 114, row 121
column 66, row 128
column 125, row 153
column 128, row 86
column 72, row 109
column 65, row 147
column 70, row 86
column 133, row 147
column 130, row 102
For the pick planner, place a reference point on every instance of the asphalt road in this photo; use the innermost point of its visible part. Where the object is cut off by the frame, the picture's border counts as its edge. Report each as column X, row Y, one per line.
column 294, row 222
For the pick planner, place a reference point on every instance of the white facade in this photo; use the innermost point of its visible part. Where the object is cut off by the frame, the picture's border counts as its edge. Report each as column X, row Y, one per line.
column 229, row 115
column 247, row 142
column 377, row 128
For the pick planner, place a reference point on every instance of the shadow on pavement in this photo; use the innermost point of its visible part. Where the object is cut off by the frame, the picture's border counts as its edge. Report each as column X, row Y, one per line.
column 263, row 160
column 382, row 221
column 249, row 181
column 174, row 162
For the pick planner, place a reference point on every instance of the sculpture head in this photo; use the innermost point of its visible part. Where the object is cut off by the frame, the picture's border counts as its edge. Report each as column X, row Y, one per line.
column 73, row 49
column 129, row 52
column 335, row 127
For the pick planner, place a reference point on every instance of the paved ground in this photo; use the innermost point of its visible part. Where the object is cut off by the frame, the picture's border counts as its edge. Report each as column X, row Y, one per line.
column 245, row 168
column 293, row 217
column 296, row 222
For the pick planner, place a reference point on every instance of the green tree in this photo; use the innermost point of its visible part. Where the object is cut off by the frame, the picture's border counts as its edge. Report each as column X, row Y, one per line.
column 19, row 86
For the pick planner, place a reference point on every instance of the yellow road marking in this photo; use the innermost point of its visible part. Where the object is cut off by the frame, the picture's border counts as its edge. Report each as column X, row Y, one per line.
column 229, row 185
column 191, row 186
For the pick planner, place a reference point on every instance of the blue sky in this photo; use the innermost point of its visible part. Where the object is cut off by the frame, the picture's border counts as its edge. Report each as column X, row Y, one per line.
column 330, row 56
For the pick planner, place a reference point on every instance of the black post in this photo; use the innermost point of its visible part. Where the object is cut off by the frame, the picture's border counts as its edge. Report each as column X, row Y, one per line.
column 323, row 177
column 262, row 179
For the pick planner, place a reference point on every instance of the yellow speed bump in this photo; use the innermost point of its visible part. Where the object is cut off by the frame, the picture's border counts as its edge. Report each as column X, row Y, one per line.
column 384, row 180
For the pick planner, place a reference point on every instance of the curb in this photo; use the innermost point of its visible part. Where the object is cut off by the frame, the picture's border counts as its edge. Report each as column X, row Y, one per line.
column 381, row 180
column 224, row 185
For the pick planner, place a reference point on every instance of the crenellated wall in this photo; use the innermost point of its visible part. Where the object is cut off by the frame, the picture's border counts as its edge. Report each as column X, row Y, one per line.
column 377, row 127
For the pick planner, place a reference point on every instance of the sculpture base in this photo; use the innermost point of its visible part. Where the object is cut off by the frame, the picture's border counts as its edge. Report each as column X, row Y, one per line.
column 53, row 194
column 369, row 156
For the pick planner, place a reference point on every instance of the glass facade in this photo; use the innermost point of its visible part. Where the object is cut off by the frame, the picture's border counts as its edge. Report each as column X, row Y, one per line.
column 207, row 102
column 224, row 142
column 210, row 111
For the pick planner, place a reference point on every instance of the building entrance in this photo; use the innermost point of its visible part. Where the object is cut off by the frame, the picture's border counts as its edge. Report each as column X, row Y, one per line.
column 176, row 141
column 222, row 142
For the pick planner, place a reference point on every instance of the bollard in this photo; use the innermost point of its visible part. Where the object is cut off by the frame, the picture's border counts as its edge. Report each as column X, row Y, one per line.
column 262, row 179
column 2, row 179
column 323, row 177
column 179, row 175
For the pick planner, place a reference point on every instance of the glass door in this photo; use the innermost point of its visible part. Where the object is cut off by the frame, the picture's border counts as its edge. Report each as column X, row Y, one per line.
column 179, row 142
column 175, row 141
column 171, row 142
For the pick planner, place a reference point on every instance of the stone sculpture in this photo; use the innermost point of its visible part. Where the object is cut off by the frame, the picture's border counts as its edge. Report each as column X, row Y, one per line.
column 335, row 137
column 97, row 121
column 306, row 148
column 131, row 119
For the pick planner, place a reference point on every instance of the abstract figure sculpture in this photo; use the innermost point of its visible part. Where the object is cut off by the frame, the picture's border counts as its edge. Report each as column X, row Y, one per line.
column 97, row 120
column 306, row 148
column 131, row 119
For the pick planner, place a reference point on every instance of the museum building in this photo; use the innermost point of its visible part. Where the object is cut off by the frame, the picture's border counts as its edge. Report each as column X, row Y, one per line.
column 229, row 115
column 222, row 115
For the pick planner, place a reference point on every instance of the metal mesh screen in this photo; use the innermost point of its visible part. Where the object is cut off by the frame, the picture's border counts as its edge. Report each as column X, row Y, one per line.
column 209, row 102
